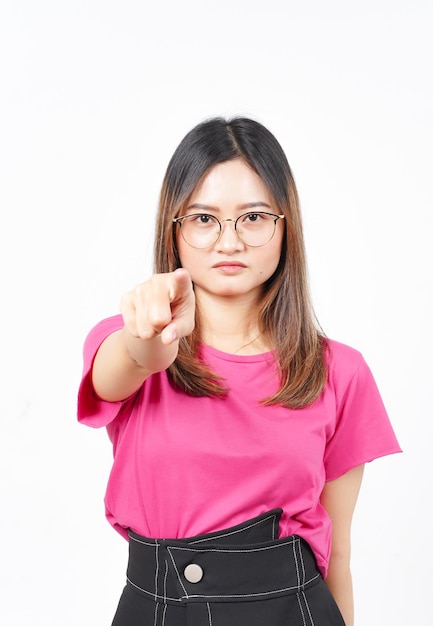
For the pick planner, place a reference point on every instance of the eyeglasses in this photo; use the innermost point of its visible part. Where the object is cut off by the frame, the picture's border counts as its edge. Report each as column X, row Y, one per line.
column 202, row 230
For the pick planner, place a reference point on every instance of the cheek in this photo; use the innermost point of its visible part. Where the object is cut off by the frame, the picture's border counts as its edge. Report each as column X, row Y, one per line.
column 272, row 258
column 181, row 252
column 190, row 258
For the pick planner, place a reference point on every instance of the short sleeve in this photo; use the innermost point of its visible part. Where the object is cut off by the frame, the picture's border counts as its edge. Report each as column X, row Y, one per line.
column 91, row 410
column 363, row 431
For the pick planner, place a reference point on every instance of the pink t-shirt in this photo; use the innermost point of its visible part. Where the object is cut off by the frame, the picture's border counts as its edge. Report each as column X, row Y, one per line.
column 185, row 465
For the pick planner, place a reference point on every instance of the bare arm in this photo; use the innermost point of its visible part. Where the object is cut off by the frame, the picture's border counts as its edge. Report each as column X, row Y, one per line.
column 339, row 499
column 156, row 314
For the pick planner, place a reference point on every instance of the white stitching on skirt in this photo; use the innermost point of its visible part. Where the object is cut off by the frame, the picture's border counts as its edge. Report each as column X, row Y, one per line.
column 308, row 608
column 239, row 530
column 250, row 595
column 301, row 558
column 156, row 571
column 165, row 579
column 212, row 597
column 225, row 534
column 301, row 609
column 145, row 543
column 177, row 572
column 209, row 613
column 296, row 563
column 239, row 551
column 149, row 593
column 275, row 527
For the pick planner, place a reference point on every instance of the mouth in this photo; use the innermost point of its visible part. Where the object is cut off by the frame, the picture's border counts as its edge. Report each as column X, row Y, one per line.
column 229, row 264
column 229, row 267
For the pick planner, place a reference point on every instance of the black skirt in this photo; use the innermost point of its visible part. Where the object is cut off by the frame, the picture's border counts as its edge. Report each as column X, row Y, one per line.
column 240, row 576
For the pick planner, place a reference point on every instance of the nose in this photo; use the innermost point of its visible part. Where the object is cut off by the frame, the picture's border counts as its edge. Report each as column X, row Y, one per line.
column 228, row 240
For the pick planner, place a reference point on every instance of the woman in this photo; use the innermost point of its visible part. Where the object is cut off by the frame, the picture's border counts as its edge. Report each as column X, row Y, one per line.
column 239, row 431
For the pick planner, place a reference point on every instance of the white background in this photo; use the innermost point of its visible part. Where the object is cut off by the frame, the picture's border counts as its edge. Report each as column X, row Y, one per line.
column 95, row 96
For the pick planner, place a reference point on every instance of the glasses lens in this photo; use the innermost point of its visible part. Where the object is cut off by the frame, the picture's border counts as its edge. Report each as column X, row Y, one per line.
column 256, row 229
column 200, row 230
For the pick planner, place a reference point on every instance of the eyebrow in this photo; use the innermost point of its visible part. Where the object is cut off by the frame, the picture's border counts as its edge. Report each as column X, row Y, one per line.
column 243, row 207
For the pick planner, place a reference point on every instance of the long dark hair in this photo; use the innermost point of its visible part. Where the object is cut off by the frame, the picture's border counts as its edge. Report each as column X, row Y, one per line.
column 285, row 312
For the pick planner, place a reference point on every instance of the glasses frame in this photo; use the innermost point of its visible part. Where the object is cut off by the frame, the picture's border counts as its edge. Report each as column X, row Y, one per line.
column 179, row 220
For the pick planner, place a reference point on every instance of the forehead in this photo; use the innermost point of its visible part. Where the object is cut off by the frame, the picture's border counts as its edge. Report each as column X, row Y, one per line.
column 231, row 183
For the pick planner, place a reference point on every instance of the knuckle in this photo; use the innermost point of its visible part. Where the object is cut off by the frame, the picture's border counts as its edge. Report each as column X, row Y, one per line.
column 157, row 319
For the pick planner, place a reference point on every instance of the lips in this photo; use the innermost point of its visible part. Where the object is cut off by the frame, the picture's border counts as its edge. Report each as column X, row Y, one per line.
column 229, row 268
column 229, row 264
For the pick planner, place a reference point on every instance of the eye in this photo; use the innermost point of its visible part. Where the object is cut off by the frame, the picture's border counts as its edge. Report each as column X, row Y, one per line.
column 200, row 220
column 204, row 219
column 253, row 217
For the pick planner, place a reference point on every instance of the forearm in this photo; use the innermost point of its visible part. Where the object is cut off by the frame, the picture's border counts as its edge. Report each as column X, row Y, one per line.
column 339, row 581
column 123, row 363
column 339, row 498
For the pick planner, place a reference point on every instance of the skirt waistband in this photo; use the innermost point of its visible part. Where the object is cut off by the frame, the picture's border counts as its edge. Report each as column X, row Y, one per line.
column 240, row 563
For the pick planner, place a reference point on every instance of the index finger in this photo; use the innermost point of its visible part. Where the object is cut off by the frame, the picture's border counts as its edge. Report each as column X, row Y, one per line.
column 181, row 284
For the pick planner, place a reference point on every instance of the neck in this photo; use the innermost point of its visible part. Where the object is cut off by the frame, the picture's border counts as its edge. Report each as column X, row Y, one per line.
column 229, row 324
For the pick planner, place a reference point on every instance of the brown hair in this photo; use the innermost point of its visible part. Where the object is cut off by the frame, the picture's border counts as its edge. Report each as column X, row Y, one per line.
column 285, row 312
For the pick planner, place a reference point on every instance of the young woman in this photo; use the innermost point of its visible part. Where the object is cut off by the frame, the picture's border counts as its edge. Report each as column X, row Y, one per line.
column 239, row 431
